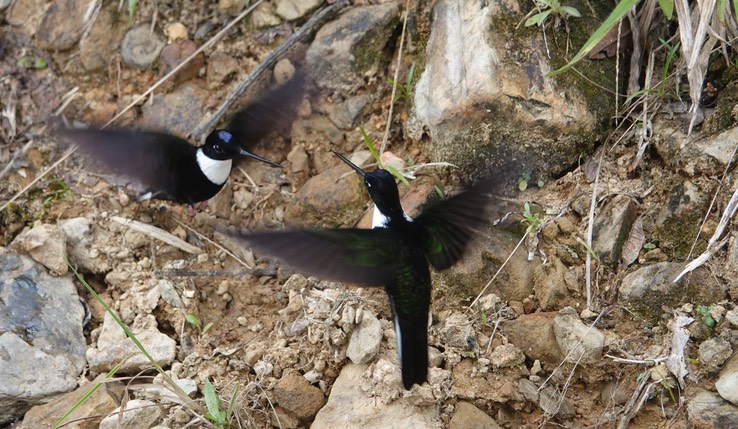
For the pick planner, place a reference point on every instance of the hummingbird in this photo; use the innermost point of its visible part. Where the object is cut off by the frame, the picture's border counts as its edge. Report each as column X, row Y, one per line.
column 394, row 254
column 173, row 169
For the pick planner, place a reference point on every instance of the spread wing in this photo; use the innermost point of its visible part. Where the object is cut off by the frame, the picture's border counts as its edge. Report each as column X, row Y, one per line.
column 361, row 256
column 451, row 224
column 149, row 157
column 271, row 112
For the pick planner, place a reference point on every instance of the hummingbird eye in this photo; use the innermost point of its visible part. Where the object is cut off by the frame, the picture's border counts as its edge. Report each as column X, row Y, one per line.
column 218, row 148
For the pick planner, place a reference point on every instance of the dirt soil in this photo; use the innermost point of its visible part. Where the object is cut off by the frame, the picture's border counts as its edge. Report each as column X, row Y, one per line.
column 245, row 310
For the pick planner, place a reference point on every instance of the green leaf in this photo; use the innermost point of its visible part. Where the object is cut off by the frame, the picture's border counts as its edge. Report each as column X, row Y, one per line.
column 207, row 327
column 212, row 402
column 193, row 320
column 370, row 144
column 440, row 192
column 538, row 18
column 649, row 246
column 568, row 10
column 541, row 183
column 393, row 171
column 617, row 14
column 39, row 64
column 667, row 6
column 23, row 62
column 522, row 185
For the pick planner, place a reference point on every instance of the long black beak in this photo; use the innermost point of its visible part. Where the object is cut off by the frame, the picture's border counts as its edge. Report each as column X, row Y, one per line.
column 244, row 152
column 351, row 164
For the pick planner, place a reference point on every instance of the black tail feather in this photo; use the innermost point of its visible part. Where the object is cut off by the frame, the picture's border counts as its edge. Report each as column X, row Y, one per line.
column 412, row 346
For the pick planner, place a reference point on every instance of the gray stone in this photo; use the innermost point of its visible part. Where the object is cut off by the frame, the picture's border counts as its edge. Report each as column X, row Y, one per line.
column 98, row 47
column 612, row 228
column 4, row 3
column 27, row 15
column 732, row 315
column 528, row 389
column 550, row 287
column 553, row 404
column 60, row 29
column 648, row 288
column 113, row 347
column 346, row 49
column 136, row 414
column 367, row 412
column 141, row 47
column 177, row 111
column 365, row 339
column 41, row 340
column 727, row 382
column 83, row 246
column 704, row 156
column 534, row 334
column 46, row 244
column 87, row 416
column 291, row 10
column 221, row 66
column 169, row 294
column 713, row 352
column 346, row 114
column 578, row 342
column 506, row 355
column 467, row 416
column 707, row 410
column 475, row 97
column 458, row 332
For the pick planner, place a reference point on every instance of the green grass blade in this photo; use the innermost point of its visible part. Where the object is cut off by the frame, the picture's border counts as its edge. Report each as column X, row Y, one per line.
column 370, row 144
column 393, row 171
column 617, row 14
column 667, row 6
column 212, row 402
column 86, row 396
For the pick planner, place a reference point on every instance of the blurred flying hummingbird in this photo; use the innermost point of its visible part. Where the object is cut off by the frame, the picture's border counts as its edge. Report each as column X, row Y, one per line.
column 173, row 169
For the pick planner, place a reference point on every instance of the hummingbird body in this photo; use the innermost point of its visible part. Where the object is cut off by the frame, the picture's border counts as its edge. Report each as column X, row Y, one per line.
column 394, row 254
column 173, row 169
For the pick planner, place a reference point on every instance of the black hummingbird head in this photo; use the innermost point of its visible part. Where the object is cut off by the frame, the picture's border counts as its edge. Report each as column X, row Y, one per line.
column 221, row 145
column 382, row 189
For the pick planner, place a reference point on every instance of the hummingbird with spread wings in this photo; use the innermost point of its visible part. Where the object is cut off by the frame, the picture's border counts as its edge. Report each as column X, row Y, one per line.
column 394, row 254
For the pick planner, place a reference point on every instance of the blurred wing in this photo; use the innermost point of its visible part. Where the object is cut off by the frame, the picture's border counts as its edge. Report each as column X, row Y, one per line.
column 149, row 157
column 360, row 256
column 451, row 224
column 271, row 112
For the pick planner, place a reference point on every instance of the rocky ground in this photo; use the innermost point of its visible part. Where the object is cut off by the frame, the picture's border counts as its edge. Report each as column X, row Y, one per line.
column 516, row 348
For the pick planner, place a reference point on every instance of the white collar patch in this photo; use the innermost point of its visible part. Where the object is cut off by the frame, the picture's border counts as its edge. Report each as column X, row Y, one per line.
column 216, row 171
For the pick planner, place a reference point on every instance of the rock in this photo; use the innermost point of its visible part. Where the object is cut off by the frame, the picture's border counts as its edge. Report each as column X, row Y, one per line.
column 291, row 10
column 578, row 342
column 299, row 165
column 677, row 223
column 648, row 288
column 714, row 352
column 612, row 228
column 457, row 331
column 41, row 338
column 284, row 70
column 176, row 111
column 169, row 294
column 552, row 404
column 346, row 113
column 528, row 389
column 706, row 410
column 103, row 41
column 4, row 4
column 91, row 410
column 534, row 334
column 483, row 257
column 221, row 66
column 27, row 15
column 264, row 16
column 475, row 96
column 174, row 53
column 328, row 199
column 732, row 315
column 141, row 47
column 467, row 416
column 704, row 156
column 176, row 31
column 350, row 47
column 506, row 355
column 83, row 246
column 46, row 244
column 60, row 29
column 366, row 412
column 727, row 382
column 295, row 394
column 550, row 287
column 136, row 414
column 365, row 339
column 113, row 347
